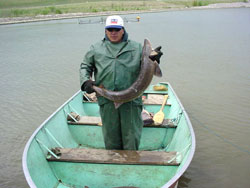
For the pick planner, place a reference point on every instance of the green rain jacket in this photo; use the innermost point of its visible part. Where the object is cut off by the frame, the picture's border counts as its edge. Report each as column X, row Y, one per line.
column 115, row 66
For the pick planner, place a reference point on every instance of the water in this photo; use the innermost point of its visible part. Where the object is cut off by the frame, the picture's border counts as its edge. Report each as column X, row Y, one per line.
column 206, row 59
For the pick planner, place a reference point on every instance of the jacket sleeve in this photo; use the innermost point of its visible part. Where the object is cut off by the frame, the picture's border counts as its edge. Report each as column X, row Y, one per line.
column 87, row 67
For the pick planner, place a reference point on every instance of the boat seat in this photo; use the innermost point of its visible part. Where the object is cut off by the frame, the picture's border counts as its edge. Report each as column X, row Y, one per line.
column 102, row 156
column 149, row 99
column 96, row 121
column 154, row 99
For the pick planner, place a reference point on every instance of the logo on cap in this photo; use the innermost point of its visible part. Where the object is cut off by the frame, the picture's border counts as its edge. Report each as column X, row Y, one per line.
column 114, row 21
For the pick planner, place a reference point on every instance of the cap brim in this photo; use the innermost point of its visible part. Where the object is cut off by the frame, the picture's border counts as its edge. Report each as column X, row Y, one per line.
column 114, row 26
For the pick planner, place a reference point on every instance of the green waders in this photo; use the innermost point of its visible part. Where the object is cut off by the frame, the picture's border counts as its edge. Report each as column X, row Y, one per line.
column 121, row 127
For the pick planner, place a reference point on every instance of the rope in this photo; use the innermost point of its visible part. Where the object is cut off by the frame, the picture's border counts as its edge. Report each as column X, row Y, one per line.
column 180, row 154
column 164, row 139
column 219, row 136
column 175, row 121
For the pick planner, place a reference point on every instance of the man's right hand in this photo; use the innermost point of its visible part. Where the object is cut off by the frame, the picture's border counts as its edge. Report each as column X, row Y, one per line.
column 88, row 86
column 156, row 55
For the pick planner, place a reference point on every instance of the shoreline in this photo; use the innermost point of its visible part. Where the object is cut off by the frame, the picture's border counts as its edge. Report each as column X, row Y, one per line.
column 38, row 18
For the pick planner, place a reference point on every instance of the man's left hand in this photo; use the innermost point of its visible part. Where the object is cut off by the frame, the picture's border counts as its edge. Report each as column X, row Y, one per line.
column 156, row 54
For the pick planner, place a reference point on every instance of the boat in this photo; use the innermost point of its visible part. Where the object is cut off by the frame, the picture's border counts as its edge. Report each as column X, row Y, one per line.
column 67, row 149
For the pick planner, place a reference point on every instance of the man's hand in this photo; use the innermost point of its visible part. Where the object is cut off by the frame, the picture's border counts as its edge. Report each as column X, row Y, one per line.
column 156, row 54
column 88, row 86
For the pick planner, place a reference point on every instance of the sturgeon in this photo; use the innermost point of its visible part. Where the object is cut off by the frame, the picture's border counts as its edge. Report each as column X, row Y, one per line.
column 148, row 69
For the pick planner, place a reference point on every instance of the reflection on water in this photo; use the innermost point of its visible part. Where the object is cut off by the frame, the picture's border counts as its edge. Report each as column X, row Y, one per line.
column 184, row 181
column 206, row 59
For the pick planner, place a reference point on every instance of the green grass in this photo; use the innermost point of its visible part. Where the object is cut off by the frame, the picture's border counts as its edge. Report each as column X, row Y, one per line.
column 200, row 3
column 19, row 8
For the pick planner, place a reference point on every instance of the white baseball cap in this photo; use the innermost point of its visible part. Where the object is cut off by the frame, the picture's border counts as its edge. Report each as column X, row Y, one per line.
column 114, row 22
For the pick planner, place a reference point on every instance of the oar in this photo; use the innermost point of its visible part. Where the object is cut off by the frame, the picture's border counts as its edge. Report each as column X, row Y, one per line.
column 159, row 116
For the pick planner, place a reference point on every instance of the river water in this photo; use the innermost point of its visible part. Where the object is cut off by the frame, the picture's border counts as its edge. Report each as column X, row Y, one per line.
column 206, row 59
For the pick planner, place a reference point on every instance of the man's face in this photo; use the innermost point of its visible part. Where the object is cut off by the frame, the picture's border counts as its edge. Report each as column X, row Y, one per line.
column 114, row 34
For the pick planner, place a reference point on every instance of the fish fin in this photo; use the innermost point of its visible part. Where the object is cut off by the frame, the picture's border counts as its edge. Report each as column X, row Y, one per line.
column 117, row 104
column 157, row 72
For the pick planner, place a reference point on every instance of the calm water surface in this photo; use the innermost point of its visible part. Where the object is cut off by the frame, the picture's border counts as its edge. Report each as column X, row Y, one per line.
column 206, row 59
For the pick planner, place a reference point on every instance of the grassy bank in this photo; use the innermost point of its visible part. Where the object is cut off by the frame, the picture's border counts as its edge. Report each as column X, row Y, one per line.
column 31, row 8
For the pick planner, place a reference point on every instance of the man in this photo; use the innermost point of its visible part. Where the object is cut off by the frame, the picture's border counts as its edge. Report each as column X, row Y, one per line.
column 115, row 62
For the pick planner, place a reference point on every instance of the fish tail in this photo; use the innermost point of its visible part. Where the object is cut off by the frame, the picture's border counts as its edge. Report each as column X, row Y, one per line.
column 157, row 72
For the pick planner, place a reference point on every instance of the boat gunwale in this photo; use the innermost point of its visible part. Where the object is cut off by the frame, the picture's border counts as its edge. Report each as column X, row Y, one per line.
column 177, row 176
column 25, row 152
column 173, row 180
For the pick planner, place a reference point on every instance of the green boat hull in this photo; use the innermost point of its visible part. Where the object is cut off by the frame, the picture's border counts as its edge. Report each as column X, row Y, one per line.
column 57, row 132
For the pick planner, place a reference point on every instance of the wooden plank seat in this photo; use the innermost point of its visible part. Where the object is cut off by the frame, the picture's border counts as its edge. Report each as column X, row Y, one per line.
column 96, row 121
column 154, row 99
column 102, row 156
column 87, row 120
column 149, row 99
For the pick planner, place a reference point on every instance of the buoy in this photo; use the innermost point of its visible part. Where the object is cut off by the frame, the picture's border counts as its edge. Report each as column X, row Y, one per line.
column 138, row 18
